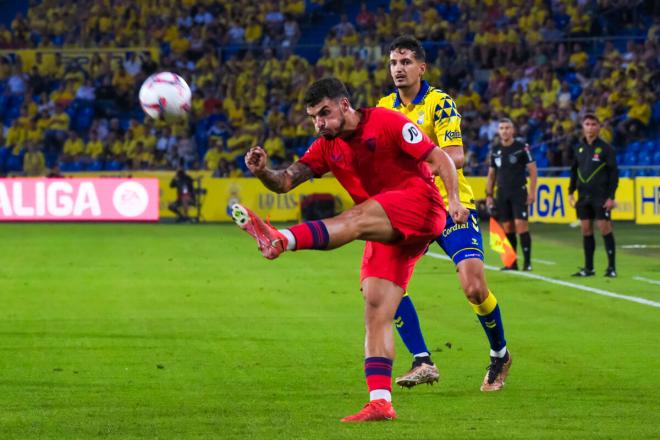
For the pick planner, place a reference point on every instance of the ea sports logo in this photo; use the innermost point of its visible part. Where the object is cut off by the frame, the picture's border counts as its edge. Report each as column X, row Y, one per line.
column 411, row 133
column 130, row 199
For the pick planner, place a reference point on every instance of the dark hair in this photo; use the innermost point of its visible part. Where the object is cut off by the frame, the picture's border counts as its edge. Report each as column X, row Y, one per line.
column 505, row 121
column 325, row 88
column 412, row 44
column 591, row 116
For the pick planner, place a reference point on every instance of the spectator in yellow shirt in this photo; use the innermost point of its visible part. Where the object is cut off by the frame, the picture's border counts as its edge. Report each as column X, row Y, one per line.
column 147, row 138
column 141, row 158
column 59, row 121
column 34, row 162
column 16, row 135
column 274, row 146
column 116, row 143
column 240, row 141
column 34, row 134
column 578, row 58
column 64, row 95
column 213, row 155
column 94, row 148
column 123, row 84
column 73, row 148
column 637, row 118
column 254, row 31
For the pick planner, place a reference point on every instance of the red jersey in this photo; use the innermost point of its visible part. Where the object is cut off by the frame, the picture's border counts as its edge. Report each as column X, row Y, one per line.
column 386, row 152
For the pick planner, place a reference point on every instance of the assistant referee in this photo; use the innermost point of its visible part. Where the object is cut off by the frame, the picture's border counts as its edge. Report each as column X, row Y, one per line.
column 595, row 175
column 510, row 161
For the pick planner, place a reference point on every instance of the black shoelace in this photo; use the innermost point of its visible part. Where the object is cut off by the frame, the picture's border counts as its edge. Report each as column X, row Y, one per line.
column 421, row 360
column 495, row 367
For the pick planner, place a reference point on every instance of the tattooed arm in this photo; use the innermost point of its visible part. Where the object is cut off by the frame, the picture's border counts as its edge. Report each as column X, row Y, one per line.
column 279, row 181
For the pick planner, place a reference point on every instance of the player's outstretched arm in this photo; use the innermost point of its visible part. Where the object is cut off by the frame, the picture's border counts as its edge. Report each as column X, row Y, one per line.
column 442, row 165
column 279, row 181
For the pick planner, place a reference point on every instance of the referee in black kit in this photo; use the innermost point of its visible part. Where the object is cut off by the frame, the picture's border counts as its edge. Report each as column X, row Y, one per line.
column 595, row 175
column 509, row 162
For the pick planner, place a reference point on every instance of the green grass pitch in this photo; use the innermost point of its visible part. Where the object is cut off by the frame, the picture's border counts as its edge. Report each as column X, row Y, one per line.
column 185, row 332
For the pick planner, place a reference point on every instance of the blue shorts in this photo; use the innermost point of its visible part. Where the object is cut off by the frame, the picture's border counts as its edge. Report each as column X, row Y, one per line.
column 461, row 242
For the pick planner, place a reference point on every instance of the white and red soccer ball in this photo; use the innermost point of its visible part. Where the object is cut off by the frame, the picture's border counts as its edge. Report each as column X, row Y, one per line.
column 166, row 95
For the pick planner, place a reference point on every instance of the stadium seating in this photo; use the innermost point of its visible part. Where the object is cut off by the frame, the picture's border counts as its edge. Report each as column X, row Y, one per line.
column 232, row 59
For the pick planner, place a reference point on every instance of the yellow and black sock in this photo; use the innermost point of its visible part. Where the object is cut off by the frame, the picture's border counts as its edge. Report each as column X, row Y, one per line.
column 489, row 315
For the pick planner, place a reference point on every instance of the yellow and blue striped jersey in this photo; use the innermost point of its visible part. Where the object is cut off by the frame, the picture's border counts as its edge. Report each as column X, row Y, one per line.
column 435, row 113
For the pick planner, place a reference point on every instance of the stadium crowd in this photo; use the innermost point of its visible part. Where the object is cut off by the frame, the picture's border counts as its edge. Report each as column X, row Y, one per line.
column 248, row 68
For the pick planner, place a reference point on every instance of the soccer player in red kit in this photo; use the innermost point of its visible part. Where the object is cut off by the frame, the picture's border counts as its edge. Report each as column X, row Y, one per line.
column 386, row 164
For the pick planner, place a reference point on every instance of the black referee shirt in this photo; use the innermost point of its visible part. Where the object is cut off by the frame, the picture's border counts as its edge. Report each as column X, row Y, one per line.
column 510, row 163
column 594, row 172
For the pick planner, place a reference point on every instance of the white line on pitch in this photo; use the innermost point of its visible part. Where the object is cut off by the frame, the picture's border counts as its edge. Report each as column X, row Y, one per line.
column 640, row 246
column 546, row 262
column 562, row 283
column 647, row 280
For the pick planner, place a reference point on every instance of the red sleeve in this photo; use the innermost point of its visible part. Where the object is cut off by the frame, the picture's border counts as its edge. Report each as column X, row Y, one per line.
column 408, row 136
column 314, row 158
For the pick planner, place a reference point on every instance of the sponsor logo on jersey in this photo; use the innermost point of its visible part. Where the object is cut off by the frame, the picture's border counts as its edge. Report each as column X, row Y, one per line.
column 411, row 133
column 451, row 135
column 454, row 228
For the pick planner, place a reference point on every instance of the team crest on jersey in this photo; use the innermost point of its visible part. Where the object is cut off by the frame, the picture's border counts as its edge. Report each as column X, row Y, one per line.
column 497, row 156
column 513, row 159
column 420, row 118
column 336, row 155
column 371, row 144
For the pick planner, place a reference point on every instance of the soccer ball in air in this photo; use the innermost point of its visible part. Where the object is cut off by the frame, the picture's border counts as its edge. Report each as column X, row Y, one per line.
column 165, row 95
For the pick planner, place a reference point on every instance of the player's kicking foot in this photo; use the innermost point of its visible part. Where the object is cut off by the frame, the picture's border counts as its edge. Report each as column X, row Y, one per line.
column 271, row 242
column 374, row 411
column 610, row 272
column 584, row 272
column 421, row 372
column 497, row 372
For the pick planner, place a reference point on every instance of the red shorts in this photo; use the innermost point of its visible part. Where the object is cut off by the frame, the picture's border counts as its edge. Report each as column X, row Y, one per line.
column 420, row 219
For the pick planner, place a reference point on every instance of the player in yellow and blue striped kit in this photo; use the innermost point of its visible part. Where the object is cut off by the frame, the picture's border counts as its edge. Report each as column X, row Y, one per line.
column 435, row 113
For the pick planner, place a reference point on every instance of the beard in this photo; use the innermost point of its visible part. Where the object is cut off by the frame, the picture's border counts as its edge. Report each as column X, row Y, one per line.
column 335, row 134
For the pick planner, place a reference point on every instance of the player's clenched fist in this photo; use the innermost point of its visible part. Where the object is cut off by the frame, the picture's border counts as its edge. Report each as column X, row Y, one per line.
column 459, row 213
column 256, row 159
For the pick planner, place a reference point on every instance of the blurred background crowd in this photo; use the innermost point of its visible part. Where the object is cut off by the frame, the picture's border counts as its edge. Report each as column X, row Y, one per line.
column 542, row 63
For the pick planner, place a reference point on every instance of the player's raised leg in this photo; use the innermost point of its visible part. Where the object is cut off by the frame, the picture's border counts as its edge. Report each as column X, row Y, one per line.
column 366, row 221
column 381, row 299
column 483, row 302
